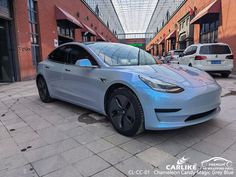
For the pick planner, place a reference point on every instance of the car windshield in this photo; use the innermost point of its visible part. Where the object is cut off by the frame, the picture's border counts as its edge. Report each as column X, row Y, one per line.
column 115, row 54
column 215, row 49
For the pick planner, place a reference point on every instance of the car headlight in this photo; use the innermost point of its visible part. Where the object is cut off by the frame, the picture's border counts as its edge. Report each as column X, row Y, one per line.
column 161, row 86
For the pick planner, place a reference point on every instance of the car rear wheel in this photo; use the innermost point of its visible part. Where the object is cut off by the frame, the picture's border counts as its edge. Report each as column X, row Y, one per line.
column 43, row 90
column 225, row 75
column 125, row 112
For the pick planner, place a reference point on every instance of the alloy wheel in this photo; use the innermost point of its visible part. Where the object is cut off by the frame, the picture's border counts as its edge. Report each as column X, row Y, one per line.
column 122, row 112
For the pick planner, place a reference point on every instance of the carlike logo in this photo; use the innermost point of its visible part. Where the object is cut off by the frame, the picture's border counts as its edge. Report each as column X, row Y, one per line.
column 182, row 160
column 181, row 165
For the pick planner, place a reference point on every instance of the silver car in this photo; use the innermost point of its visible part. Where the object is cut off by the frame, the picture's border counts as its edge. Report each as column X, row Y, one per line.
column 172, row 56
column 124, row 83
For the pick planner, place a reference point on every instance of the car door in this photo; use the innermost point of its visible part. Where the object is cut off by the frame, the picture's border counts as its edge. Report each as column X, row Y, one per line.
column 191, row 56
column 81, row 84
column 188, row 55
column 53, row 70
column 184, row 59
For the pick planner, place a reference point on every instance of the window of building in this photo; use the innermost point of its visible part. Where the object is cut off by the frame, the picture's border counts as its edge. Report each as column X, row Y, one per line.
column 167, row 15
column 97, row 10
column 66, row 31
column 209, row 32
column 163, row 23
column 172, row 44
column 33, row 24
column 187, row 21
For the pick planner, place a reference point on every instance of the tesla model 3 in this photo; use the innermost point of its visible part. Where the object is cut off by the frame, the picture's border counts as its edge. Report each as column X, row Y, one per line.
column 125, row 83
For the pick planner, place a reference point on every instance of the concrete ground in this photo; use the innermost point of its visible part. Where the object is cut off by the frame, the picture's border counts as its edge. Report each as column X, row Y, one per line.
column 63, row 140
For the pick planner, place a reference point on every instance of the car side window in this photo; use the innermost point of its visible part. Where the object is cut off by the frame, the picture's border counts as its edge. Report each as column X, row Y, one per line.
column 78, row 53
column 59, row 55
column 191, row 50
column 186, row 51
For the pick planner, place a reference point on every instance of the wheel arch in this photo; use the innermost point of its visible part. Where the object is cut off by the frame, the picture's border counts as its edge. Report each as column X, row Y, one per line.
column 113, row 87
column 39, row 76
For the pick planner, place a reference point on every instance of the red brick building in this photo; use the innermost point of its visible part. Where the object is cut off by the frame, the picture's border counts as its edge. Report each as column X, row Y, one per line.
column 197, row 21
column 30, row 29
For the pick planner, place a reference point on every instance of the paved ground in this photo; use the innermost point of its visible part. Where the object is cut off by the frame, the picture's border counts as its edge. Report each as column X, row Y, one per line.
column 63, row 140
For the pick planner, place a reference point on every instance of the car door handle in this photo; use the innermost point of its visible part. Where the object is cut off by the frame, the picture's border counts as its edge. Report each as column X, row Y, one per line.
column 68, row 70
column 47, row 67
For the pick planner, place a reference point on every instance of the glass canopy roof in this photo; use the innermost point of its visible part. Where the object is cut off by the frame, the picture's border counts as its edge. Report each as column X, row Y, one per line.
column 134, row 16
column 105, row 10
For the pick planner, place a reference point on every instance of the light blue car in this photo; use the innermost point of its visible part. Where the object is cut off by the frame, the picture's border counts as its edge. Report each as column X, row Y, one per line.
column 126, row 84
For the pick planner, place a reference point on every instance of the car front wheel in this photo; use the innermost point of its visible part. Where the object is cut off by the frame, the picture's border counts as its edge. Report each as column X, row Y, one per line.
column 125, row 112
column 43, row 90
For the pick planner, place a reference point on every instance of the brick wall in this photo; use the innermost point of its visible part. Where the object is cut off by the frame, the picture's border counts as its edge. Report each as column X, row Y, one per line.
column 227, row 29
column 48, row 29
column 27, row 70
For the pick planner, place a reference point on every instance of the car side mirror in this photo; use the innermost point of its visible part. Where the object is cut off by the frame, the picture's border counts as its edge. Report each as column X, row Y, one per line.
column 181, row 55
column 85, row 63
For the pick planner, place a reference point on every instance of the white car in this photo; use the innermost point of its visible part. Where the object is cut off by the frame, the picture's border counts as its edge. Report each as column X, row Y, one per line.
column 210, row 57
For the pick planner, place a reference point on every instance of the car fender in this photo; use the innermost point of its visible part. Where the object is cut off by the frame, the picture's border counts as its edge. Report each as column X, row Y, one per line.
column 40, row 70
column 125, row 83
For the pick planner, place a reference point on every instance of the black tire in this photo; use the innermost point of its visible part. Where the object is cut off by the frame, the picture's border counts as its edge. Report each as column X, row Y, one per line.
column 43, row 90
column 125, row 112
column 225, row 75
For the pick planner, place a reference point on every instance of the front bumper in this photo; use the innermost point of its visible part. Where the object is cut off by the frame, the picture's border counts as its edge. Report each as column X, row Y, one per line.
column 192, row 106
column 180, row 124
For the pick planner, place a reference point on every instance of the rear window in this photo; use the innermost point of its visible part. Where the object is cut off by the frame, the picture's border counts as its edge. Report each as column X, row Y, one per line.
column 215, row 49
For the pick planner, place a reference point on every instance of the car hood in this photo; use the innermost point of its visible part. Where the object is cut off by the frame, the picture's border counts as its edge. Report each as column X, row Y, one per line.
column 180, row 75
